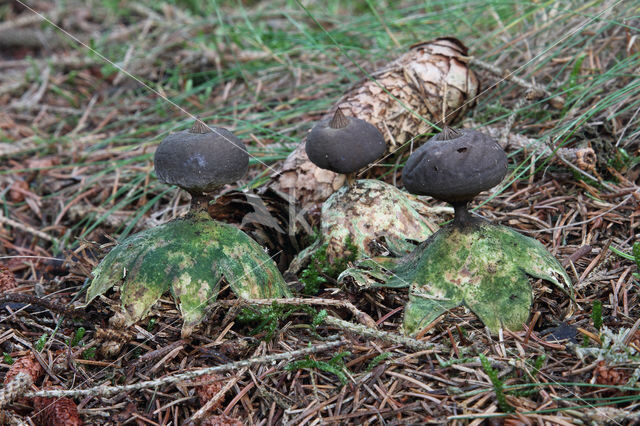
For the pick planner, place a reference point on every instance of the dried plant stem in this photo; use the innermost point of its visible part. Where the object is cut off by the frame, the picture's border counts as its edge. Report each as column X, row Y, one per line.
column 6, row 221
column 536, row 90
column 53, row 61
column 632, row 332
column 570, row 158
column 182, row 377
column 302, row 259
column 48, row 304
column 382, row 335
column 29, row 38
column 9, row 419
column 27, row 19
column 578, row 158
column 298, row 301
column 511, row 121
column 10, row 87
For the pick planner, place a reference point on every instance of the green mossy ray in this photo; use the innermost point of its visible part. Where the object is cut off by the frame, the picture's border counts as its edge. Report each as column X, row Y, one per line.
column 249, row 270
column 484, row 266
column 189, row 256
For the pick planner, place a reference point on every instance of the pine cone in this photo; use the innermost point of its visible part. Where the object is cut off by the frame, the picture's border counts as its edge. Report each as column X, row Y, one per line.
column 417, row 79
column 27, row 364
column 7, row 279
column 416, row 83
column 15, row 388
column 207, row 387
column 610, row 376
column 17, row 190
column 221, row 421
column 56, row 412
column 635, row 340
column 111, row 340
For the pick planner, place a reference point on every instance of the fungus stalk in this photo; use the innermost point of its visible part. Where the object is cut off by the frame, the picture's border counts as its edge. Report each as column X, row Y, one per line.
column 345, row 145
column 462, row 217
column 351, row 178
column 200, row 161
column 199, row 202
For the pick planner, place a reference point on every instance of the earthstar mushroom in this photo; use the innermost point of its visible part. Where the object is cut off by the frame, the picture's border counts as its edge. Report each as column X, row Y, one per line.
column 470, row 262
column 190, row 255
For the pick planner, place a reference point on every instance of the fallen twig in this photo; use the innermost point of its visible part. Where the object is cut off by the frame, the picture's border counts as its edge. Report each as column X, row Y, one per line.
column 577, row 158
column 360, row 316
column 25, row 20
column 6, row 221
column 382, row 335
column 182, row 377
column 44, row 303
column 535, row 90
column 198, row 415
column 30, row 38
